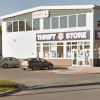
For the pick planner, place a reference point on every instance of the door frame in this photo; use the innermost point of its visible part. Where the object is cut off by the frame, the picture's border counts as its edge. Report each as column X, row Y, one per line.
column 84, row 57
column 76, row 57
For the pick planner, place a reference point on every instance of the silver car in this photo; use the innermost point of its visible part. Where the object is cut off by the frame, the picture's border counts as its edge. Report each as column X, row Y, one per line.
column 9, row 61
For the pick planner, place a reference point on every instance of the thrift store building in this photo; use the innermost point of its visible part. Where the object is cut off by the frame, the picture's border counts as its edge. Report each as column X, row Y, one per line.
column 65, row 35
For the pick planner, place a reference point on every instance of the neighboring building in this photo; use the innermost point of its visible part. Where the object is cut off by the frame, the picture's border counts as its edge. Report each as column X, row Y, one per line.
column 0, row 45
column 65, row 35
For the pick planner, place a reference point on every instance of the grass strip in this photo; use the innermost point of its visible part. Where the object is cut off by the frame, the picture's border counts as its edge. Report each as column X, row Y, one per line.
column 6, row 85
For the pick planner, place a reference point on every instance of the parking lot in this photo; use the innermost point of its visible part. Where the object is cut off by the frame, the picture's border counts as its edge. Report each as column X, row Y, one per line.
column 46, row 85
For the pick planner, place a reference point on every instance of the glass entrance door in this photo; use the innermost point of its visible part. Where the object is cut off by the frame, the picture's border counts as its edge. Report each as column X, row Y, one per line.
column 86, row 57
column 80, row 54
column 74, row 57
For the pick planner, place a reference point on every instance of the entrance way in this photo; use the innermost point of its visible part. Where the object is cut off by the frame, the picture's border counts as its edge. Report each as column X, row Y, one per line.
column 80, row 55
column 86, row 57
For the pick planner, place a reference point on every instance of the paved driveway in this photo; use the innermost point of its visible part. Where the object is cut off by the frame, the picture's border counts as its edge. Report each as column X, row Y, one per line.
column 44, row 85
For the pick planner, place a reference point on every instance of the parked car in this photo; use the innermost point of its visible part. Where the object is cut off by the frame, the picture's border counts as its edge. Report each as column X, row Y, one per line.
column 9, row 61
column 34, row 63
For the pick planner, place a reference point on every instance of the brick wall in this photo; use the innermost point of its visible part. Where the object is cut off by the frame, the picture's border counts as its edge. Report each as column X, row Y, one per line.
column 60, row 62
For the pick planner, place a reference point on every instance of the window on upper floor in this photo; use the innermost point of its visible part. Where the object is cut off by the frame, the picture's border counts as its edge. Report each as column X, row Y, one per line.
column 98, row 20
column 28, row 25
column 9, row 26
column 21, row 25
column 63, row 22
column 72, row 21
column 36, row 24
column 82, row 20
column 15, row 26
column 54, row 22
column 57, row 22
column 47, row 23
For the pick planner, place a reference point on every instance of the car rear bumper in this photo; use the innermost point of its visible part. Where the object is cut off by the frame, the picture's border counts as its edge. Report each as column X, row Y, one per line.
column 23, row 67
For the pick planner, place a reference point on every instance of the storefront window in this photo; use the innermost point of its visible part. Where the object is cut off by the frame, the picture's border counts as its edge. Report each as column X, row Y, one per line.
column 74, row 43
column 46, row 52
column 68, row 51
column 45, row 43
column 59, row 51
column 38, row 49
column 68, row 43
column 80, row 43
column 54, row 43
column 86, row 42
column 9, row 26
column 38, row 44
column 53, row 50
column 59, row 43
column 74, row 47
column 86, row 46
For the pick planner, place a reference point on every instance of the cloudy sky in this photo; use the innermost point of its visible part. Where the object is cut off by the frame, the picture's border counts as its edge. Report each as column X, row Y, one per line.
column 12, row 6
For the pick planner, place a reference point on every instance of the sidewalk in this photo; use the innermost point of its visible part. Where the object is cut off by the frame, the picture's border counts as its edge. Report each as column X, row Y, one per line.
column 79, row 70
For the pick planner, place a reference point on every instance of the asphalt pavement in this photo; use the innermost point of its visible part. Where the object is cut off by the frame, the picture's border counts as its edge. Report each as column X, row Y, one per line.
column 54, row 84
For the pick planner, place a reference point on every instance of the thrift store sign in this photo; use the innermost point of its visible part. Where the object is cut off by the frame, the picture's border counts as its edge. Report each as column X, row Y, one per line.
column 80, row 35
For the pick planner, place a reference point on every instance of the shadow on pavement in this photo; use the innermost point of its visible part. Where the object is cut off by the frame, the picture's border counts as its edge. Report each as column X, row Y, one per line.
column 59, row 86
column 46, row 69
column 63, row 86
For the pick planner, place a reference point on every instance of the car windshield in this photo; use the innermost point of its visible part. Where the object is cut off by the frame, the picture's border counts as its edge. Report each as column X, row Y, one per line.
column 28, row 59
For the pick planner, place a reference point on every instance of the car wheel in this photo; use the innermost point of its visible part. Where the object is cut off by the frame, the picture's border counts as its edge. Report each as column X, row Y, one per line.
column 15, row 66
column 24, row 68
column 34, row 68
column 50, row 66
column 5, row 66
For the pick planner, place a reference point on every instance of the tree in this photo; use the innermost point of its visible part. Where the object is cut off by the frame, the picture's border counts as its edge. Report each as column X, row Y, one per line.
column 0, row 29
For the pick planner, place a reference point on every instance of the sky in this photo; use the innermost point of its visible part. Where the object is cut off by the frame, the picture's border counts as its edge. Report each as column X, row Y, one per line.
column 12, row 6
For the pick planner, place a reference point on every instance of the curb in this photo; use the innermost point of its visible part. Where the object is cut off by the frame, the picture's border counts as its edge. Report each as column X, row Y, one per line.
column 9, row 92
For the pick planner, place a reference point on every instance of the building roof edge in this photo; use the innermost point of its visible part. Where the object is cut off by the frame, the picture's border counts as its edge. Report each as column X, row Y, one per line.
column 50, row 8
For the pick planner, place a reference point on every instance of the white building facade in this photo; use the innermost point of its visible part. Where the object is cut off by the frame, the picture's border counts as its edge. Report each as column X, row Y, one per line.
column 65, row 35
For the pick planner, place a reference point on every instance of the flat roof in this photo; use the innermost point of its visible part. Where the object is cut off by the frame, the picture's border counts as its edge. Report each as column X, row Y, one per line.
column 51, row 8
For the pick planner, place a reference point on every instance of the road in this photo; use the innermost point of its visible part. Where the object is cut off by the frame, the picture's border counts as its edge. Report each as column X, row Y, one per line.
column 45, row 85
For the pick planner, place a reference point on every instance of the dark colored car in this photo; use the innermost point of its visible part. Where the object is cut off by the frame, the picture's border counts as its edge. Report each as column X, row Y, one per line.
column 9, row 61
column 34, row 63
